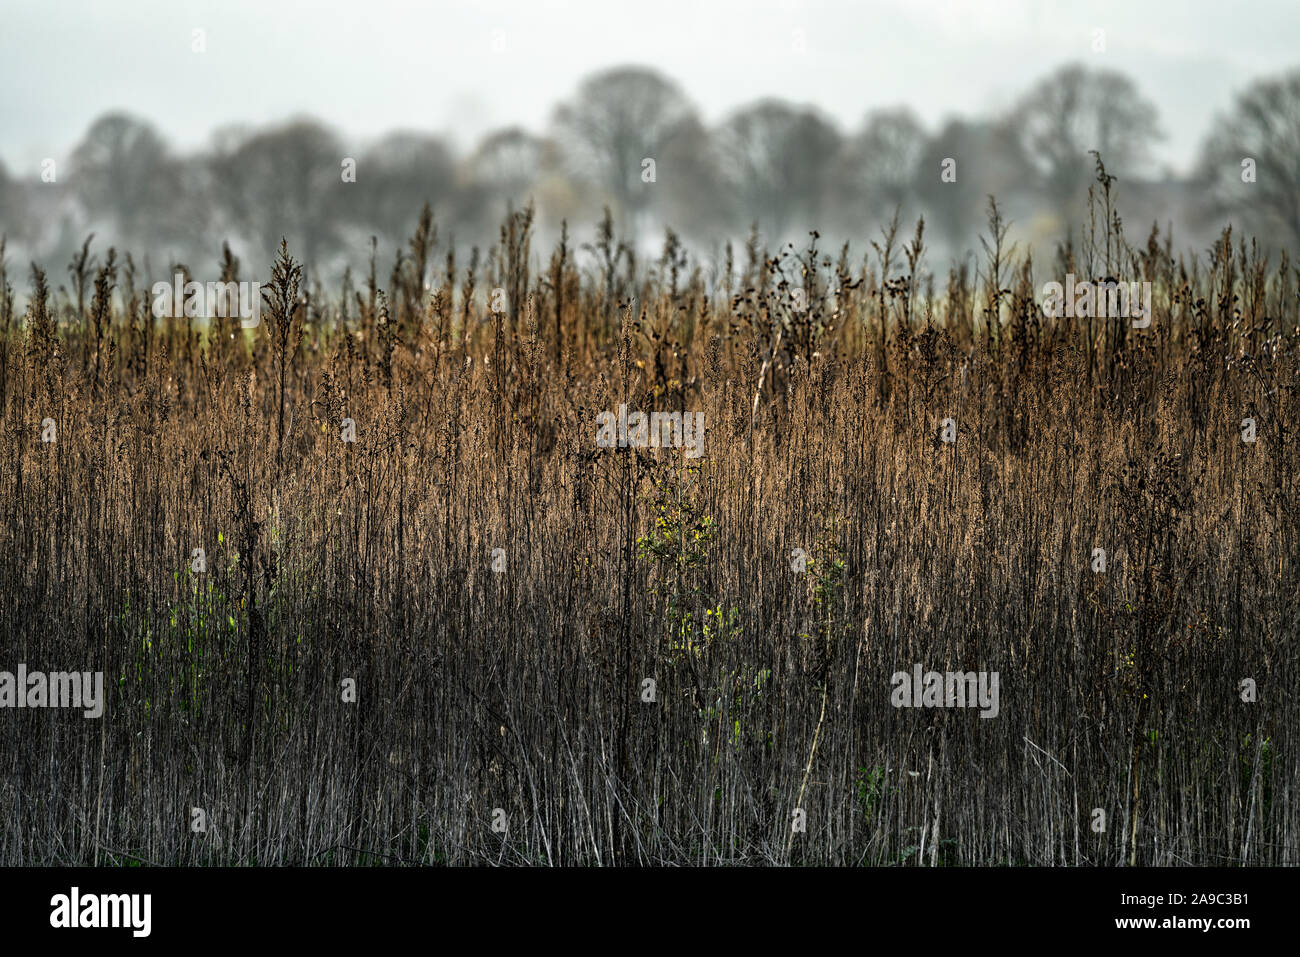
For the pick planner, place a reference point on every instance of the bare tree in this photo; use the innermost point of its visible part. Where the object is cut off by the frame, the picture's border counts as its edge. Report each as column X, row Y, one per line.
column 964, row 164
column 284, row 182
column 507, row 163
column 396, row 177
column 123, row 173
column 1075, row 110
column 694, row 197
column 775, row 158
column 13, row 208
column 877, row 170
column 617, row 120
column 509, row 167
column 1250, row 162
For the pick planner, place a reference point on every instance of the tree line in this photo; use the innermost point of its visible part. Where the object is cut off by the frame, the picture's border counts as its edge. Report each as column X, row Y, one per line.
column 631, row 140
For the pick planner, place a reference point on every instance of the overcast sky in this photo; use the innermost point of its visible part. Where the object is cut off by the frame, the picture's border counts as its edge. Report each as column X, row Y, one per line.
column 461, row 67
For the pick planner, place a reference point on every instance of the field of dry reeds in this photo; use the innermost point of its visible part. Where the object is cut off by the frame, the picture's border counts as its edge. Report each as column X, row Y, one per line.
column 473, row 635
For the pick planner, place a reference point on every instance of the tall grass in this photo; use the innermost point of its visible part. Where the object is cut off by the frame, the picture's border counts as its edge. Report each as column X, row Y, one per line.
column 522, row 690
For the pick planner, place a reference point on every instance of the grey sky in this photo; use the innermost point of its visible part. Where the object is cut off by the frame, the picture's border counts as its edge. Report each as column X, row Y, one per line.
column 369, row 67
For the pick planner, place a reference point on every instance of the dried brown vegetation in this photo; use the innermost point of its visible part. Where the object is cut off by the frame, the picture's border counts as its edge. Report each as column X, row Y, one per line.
column 523, row 689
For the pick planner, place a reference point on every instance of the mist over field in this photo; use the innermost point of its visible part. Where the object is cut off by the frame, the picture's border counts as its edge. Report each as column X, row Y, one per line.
column 551, row 433
column 198, row 128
